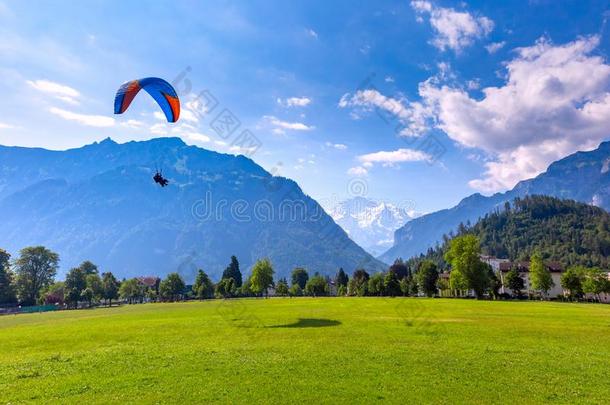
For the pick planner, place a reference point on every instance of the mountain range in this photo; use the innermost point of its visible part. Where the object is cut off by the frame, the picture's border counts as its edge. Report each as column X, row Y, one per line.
column 99, row 203
column 371, row 223
column 582, row 176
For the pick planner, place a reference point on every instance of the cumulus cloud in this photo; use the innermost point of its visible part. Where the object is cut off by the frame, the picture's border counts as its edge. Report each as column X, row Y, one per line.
column 84, row 119
column 183, row 130
column 412, row 115
column 58, row 91
column 338, row 146
column 554, row 101
column 495, row 47
column 281, row 126
column 392, row 158
column 294, row 101
column 357, row 171
column 453, row 29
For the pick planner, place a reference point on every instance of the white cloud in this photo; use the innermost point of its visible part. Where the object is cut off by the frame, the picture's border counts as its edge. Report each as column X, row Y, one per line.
column 59, row 91
column 389, row 79
column 312, row 33
column 555, row 101
column 84, row 119
column 357, row 171
column 6, row 126
column 338, row 146
column 391, row 158
column 294, row 102
column 495, row 47
column 286, row 125
column 412, row 115
column 134, row 124
column 454, row 30
column 242, row 150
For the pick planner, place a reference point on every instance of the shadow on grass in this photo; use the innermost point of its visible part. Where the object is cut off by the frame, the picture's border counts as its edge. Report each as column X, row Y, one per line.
column 309, row 323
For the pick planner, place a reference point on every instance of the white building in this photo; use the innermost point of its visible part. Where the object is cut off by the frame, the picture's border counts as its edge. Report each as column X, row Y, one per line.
column 524, row 272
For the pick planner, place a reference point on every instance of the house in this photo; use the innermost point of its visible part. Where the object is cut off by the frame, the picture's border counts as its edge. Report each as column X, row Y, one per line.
column 524, row 272
column 149, row 282
column 494, row 262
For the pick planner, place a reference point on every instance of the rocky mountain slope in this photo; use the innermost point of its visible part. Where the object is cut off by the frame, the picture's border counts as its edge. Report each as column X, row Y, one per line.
column 99, row 203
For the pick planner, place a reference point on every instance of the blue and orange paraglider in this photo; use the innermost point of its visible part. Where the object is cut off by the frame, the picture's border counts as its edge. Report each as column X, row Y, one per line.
column 163, row 93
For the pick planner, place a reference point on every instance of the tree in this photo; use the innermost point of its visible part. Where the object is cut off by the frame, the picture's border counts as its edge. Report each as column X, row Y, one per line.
column 359, row 283
column 94, row 283
column 110, row 287
column 514, row 281
column 35, row 269
column 464, row 256
column 392, row 285
column 281, row 288
column 53, row 294
column 341, row 279
column 295, row 290
column 494, row 283
column 595, row 282
column 341, row 291
column 76, row 282
column 400, row 269
column 172, row 288
column 405, row 287
column 427, row 275
column 540, row 276
column 226, row 288
column 7, row 287
column 299, row 276
column 376, row 285
column 442, row 284
column 245, row 290
column 232, row 271
column 203, row 287
column 131, row 290
column 457, row 282
column 262, row 276
column 572, row 279
column 88, row 268
column 316, row 286
column 87, row 295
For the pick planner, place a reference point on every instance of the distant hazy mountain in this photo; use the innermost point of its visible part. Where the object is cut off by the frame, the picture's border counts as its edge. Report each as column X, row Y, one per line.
column 370, row 223
column 583, row 176
column 99, row 203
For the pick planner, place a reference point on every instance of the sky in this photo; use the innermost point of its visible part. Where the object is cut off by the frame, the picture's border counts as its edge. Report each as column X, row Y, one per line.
column 419, row 103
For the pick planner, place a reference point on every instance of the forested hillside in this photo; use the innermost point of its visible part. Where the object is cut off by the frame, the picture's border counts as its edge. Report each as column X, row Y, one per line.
column 565, row 231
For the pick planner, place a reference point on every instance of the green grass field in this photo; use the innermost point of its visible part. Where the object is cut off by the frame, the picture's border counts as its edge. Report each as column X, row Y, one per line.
column 323, row 350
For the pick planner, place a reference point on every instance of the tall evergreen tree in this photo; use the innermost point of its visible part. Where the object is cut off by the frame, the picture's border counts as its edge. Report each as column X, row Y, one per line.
column 342, row 279
column 203, row 287
column 232, row 271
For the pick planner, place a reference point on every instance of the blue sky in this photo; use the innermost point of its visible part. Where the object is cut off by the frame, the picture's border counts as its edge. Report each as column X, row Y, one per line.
column 343, row 95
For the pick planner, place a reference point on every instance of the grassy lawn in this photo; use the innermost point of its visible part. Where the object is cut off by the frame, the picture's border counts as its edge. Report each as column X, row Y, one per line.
column 323, row 350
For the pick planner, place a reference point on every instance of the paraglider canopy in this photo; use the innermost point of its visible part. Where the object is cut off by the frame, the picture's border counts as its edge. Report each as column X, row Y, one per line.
column 163, row 93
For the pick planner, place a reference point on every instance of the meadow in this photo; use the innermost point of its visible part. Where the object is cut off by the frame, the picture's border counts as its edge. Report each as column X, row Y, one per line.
column 339, row 350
